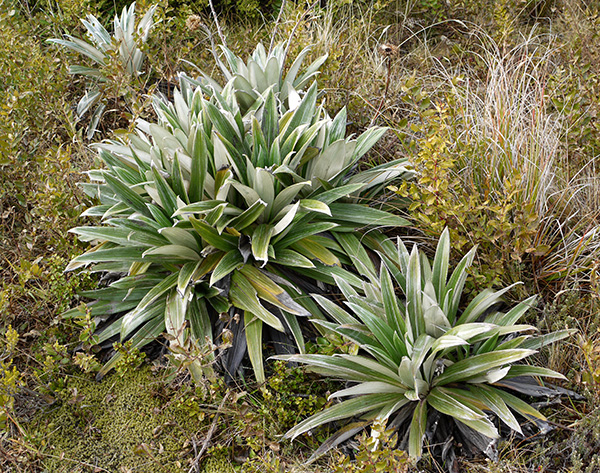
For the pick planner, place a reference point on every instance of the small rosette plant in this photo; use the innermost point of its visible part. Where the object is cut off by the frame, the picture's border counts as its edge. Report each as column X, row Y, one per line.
column 263, row 71
column 115, row 56
column 421, row 356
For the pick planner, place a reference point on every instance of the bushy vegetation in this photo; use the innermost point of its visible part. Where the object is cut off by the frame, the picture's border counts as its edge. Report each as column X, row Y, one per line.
column 307, row 182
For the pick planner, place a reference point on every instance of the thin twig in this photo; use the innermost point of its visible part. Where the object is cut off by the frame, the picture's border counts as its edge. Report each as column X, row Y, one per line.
column 210, row 433
column 388, row 63
column 196, row 462
column 214, row 14
column 276, row 26
column 287, row 47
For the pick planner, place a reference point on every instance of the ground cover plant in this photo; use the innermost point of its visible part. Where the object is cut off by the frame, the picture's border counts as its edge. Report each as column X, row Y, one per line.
column 457, row 86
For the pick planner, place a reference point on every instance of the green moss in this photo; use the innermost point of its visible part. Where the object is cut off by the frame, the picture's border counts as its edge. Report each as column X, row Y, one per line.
column 218, row 464
column 120, row 424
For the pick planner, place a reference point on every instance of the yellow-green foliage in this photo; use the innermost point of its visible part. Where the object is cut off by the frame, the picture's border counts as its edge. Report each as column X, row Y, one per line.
column 218, row 464
column 121, row 422
column 502, row 225
column 376, row 454
column 38, row 169
column 10, row 377
column 243, row 10
column 288, row 396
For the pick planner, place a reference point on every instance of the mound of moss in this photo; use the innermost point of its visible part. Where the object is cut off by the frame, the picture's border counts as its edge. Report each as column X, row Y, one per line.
column 122, row 424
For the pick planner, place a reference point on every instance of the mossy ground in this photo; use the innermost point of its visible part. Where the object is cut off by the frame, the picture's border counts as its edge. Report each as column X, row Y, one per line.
column 130, row 423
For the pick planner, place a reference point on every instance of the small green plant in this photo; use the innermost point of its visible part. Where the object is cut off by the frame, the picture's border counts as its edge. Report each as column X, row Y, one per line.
column 118, row 58
column 376, row 453
column 10, row 378
column 130, row 357
column 420, row 356
column 289, row 394
column 54, row 362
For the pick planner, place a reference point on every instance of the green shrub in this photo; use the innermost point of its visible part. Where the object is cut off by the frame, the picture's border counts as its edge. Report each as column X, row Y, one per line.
column 10, row 378
column 235, row 10
column 503, row 226
column 491, row 167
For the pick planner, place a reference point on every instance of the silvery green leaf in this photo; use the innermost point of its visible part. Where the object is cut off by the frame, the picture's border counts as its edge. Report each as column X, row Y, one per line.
column 405, row 372
column 490, row 377
column 331, row 161
column 417, row 430
column 82, row 47
column 445, row 402
column 131, row 319
column 369, row 387
column 468, row 331
column 288, row 257
column 338, row 314
column 183, row 111
column 517, row 404
column 366, row 141
column 199, row 207
column 287, row 195
column 543, row 340
column 303, row 114
column 513, row 315
column 249, row 194
column 272, row 73
column 176, row 252
column 343, row 410
column 253, row 328
column 529, row 370
column 261, row 237
column 175, row 316
column 265, row 185
column 90, row 98
column 186, row 275
column 312, row 249
column 230, row 261
column 482, row 302
column 296, row 65
column 248, row 216
column 315, row 206
column 94, row 120
column 286, row 219
column 495, row 403
column 454, row 287
column 310, row 72
column 178, row 236
column 475, row 365
column 359, row 215
column 243, row 295
column 112, row 234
